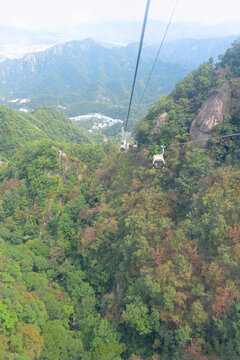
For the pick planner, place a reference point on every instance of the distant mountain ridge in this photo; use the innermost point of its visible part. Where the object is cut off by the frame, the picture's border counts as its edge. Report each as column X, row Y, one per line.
column 16, row 42
column 76, row 73
column 129, row 31
column 80, row 77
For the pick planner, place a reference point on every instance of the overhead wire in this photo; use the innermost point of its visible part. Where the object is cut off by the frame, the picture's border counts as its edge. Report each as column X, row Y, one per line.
column 159, row 50
column 137, row 63
column 194, row 141
column 202, row 140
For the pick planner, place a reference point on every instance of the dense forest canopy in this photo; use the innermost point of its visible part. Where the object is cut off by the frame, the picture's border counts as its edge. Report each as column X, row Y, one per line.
column 104, row 258
column 18, row 128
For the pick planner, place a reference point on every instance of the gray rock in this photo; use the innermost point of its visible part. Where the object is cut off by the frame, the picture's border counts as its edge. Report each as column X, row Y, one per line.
column 160, row 121
column 211, row 113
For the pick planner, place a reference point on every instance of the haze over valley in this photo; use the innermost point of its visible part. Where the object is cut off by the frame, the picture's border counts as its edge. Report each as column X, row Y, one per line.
column 16, row 42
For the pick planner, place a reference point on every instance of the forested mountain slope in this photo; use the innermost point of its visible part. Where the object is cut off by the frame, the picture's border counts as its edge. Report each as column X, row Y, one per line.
column 105, row 258
column 177, row 113
column 16, row 128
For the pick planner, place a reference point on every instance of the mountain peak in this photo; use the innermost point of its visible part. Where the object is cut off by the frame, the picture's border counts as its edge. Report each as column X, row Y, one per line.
column 87, row 43
column 84, row 45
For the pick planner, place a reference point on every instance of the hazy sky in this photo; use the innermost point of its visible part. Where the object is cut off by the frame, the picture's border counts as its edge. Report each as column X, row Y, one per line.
column 47, row 14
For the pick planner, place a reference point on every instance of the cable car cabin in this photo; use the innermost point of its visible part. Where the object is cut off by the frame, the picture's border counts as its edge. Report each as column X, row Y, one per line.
column 158, row 161
column 124, row 145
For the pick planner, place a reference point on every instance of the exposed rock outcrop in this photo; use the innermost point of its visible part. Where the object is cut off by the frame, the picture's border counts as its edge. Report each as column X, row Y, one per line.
column 160, row 121
column 211, row 113
column 61, row 154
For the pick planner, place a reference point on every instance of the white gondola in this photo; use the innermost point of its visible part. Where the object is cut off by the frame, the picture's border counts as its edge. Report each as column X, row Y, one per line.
column 124, row 145
column 158, row 160
column 124, row 141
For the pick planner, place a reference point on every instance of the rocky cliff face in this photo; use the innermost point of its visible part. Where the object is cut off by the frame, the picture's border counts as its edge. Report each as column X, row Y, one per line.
column 161, row 119
column 211, row 113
